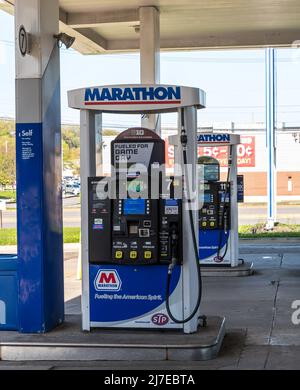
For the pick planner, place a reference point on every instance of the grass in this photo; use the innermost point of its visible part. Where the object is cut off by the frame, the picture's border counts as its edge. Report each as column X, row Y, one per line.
column 8, row 195
column 280, row 230
column 71, row 235
column 9, row 236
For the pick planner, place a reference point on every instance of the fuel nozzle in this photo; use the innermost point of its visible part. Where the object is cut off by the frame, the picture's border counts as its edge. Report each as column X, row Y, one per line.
column 174, row 246
column 174, row 234
column 183, row 139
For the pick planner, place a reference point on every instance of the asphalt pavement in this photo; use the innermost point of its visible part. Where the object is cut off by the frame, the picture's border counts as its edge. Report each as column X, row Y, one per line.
column 259, row 312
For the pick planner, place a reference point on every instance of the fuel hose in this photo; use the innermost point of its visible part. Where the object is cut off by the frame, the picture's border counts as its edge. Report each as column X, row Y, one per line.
column 183, row 140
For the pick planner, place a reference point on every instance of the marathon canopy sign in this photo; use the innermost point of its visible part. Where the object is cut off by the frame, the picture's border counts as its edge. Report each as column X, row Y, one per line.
column 218, row 139
column 132, row 95
column 136, row 98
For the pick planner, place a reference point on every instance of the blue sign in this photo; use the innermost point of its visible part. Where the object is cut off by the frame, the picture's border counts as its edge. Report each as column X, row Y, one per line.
column 40, row 245
column 30, row 219
column 240, row 188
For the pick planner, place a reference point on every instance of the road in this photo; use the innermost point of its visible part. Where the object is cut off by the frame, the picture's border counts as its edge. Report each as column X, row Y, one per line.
column 248, row 214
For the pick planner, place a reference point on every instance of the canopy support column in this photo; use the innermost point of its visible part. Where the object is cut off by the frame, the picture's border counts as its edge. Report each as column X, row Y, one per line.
column 38, row 166
column 150, row 57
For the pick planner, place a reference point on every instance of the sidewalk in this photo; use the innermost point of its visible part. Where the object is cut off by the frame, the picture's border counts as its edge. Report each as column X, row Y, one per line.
column 260, row 333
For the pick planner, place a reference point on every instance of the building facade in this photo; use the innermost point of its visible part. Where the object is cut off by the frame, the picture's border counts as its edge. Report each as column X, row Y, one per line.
column 252, row 161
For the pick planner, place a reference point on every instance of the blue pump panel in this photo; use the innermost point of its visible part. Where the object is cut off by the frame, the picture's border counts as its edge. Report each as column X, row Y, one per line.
column 8, row 293
column 126, row 293
column 209, row 242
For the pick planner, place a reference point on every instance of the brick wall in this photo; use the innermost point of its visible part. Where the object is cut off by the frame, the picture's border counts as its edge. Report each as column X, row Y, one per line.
column 256, row 183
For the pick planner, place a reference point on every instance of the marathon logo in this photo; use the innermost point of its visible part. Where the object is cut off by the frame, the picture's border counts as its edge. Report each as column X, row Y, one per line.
column 107, row 280
column 134, row 95
column 213, row 138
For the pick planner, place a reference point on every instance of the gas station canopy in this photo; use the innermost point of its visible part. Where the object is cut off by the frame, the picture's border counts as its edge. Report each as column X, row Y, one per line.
column 107, row 26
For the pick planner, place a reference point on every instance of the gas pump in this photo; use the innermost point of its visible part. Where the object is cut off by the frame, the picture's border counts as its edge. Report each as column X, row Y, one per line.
column 139, row 229
column 139, row 243
column 214, row 215
column 218, row 216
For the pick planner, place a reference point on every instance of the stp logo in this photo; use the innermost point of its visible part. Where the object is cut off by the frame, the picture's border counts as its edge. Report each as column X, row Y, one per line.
column 107, row 280
column 160, row 319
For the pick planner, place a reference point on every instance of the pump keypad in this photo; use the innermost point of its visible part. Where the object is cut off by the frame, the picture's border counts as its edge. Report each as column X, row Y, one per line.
column 133, row 254
column 212, row 215
column 136, row 230
column 147, row 255
column 118, row 254
column 133, row 231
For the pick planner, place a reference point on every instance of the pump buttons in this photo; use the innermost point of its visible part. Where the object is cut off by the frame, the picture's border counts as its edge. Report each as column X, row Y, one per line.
column 119, row 255
column 147, row 254
column 144, row 233
column 133, row 254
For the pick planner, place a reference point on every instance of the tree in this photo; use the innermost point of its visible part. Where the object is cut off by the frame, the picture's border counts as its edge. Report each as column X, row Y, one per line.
column 7, row 168
column 70, row 148
column 7, row 153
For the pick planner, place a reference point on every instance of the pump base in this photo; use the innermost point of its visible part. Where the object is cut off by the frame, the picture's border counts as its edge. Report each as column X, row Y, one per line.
column 245, row 269
column 68, row 342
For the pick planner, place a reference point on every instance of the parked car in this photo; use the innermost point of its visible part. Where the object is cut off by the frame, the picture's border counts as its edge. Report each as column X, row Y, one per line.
column 73, row 189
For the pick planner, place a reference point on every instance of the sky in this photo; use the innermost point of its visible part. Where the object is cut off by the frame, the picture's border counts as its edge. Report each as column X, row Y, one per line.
column 234, row 80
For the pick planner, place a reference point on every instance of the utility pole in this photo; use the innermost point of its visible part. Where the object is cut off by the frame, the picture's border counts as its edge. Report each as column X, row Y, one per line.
column 270, row 74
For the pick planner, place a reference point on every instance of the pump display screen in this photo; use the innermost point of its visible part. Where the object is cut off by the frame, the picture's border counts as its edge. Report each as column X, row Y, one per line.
column 135, row 186
column 134, row 206
column 222, row 197
column 207, row 197
column 171, row 202
column 211, row 172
